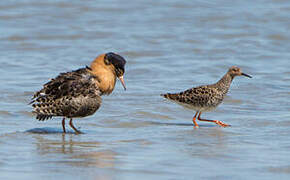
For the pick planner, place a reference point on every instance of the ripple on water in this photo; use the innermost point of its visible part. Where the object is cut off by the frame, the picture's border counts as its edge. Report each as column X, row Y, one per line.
column 278, row 170
column 5, row 113
column 100, row 159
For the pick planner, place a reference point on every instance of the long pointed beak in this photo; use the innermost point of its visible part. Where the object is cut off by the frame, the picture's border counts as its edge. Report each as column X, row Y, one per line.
column 246, row 75
column 122, row 81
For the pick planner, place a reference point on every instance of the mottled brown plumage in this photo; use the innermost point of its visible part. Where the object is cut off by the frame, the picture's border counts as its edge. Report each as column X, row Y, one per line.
column 208, row 97
column 78, row 93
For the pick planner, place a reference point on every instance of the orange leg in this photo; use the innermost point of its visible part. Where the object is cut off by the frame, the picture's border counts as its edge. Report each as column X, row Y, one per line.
column 63, row 125
column 72, row 126
column 215, row 121
column 193, row 120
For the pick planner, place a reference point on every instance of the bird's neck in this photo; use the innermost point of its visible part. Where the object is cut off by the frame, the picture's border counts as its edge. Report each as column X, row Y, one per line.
column 105, row 74
column 224, row 83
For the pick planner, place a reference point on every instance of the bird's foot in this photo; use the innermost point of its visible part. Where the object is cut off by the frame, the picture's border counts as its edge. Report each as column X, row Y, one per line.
column 222, row 124
column 78, row 132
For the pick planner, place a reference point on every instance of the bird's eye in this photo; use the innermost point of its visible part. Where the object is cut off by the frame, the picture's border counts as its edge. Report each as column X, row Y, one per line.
column 107, row 62
column 119, row 72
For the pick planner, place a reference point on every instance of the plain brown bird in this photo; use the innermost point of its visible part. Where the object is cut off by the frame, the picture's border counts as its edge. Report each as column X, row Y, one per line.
column 78, row 93
column 208, row 97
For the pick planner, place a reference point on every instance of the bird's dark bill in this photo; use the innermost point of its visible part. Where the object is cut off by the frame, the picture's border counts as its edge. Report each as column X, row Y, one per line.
column 246, row 75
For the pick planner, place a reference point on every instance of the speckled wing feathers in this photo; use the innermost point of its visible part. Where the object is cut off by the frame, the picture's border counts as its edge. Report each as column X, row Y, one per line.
column 71, row 94
column 198, row 98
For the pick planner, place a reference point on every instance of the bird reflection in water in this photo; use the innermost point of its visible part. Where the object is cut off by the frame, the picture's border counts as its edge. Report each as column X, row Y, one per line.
column 63, row 144
column 82, row 154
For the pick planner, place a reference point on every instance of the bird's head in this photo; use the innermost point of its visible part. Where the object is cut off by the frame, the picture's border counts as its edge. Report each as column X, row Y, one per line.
column 118, row 63
column 107, row 67
column 236, row 71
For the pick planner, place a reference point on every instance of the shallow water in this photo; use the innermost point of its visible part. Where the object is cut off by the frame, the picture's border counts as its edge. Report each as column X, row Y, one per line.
column 170, row 46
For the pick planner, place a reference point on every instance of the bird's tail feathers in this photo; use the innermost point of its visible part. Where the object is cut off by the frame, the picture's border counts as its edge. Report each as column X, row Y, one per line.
column 45, row 111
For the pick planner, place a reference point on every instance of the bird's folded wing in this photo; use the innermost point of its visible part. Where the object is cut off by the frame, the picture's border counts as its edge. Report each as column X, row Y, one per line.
column 67, row 93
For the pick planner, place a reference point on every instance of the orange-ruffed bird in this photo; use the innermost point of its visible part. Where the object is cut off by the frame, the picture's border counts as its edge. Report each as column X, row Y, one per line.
column 78, row 93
